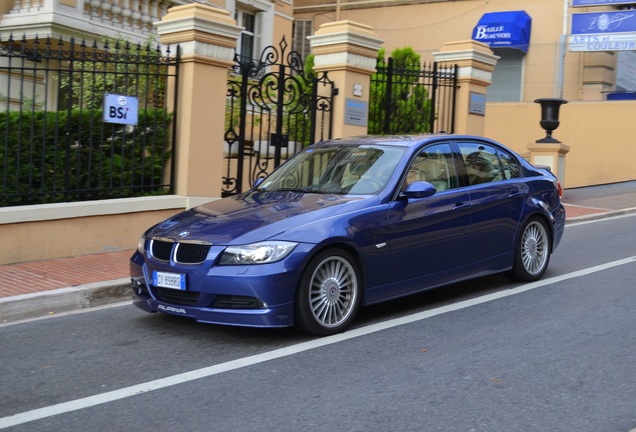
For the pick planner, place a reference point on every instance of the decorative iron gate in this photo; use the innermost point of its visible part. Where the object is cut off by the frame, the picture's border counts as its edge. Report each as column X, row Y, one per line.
column 409, row 98
column 274, row 109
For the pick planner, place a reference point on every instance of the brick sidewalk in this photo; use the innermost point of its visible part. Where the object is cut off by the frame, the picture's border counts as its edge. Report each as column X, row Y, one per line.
column 31, row 277
column 572, row 211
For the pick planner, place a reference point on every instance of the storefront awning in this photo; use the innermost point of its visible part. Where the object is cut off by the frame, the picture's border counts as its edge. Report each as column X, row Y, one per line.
column 504, row 30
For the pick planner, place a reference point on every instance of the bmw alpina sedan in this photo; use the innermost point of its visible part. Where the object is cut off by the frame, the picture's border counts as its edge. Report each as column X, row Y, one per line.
column 349, row 223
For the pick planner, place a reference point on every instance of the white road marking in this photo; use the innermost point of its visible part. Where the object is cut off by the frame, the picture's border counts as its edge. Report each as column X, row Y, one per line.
column 126, row 392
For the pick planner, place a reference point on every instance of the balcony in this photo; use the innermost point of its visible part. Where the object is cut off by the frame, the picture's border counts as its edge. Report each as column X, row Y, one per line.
column 82, row 19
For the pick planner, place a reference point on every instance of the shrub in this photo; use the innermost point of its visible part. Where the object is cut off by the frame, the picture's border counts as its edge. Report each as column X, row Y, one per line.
column 51, row 157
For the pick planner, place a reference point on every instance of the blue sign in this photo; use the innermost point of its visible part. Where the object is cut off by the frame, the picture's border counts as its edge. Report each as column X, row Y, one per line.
column 120, row 109
column 477, row 104
column 604, row 22
column 510, row 29
column 356, row 112
column 581, row 3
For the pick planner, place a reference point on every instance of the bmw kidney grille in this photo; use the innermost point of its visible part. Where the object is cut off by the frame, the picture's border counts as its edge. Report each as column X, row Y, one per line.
column 181, row 252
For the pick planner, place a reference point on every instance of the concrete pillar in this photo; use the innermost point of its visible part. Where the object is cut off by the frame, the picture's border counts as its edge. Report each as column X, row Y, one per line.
column 207, row 36
column 347, row 51
column 475, row 62
column 551, row 155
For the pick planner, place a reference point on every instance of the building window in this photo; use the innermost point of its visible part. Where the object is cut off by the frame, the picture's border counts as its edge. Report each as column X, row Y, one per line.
column 302, row 29
column 247, row 46
column 507, row 78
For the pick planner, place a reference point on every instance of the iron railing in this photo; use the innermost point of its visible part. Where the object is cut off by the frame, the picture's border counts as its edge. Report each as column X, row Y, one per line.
column 409, row 98
column 56, row 144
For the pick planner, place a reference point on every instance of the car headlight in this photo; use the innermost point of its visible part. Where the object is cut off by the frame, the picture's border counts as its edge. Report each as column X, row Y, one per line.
column 256, row 253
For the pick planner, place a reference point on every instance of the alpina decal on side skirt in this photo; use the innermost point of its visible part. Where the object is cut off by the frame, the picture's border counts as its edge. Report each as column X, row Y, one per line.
column 171, row 309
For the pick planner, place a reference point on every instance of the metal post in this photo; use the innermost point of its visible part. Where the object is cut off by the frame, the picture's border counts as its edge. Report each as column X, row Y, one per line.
column 559, row 89
column 388, row 97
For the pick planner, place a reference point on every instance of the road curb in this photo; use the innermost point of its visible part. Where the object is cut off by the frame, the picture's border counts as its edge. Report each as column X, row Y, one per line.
column 36, row 305
column 600, row 215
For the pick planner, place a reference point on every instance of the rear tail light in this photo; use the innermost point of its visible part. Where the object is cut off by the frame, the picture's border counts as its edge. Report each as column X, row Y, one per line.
column 560, row 189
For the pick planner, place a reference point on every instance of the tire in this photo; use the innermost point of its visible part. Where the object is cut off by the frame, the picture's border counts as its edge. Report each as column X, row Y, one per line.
column 328, row 296
column 532, row 253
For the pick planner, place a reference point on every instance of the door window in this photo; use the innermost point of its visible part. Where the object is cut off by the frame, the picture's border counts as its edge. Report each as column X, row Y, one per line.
column 509, row 165
column 482, row 163
column 435, row 165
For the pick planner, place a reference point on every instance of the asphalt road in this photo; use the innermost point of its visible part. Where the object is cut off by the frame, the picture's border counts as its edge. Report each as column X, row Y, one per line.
column 486, row 355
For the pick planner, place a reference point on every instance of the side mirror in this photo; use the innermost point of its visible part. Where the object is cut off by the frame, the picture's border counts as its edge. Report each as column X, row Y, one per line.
column 419, row 189
column 257, row 182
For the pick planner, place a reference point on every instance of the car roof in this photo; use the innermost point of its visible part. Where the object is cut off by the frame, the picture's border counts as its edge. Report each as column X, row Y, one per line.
column 399, row 140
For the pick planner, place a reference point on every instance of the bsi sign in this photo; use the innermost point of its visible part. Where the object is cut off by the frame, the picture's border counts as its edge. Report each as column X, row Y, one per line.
column 121, row 109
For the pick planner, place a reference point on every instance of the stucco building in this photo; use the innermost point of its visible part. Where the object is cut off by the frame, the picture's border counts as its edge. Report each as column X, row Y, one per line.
column 264, row 21
column 531, row 39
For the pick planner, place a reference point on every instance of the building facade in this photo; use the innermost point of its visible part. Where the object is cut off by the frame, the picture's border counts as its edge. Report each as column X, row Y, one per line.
column 264, row 21
column 530, row 39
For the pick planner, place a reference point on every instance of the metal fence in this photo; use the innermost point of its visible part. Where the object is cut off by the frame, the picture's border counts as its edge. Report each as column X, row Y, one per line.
column 411, row 98
column 58, row 140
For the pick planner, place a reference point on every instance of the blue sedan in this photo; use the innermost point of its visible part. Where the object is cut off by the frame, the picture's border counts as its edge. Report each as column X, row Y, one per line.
column 348, row 223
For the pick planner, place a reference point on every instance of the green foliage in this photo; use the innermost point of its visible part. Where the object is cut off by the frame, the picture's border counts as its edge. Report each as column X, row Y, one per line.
column 298, row 128
column 309, row 66
column 409, row 107
column 120, row 68
column 41, row 163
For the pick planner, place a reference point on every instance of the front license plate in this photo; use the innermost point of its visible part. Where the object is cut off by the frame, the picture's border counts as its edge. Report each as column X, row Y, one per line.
column 169, row 280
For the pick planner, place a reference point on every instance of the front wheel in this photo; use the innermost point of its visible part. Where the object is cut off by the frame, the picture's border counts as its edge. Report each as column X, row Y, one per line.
column 532, row 253
column 328, row 297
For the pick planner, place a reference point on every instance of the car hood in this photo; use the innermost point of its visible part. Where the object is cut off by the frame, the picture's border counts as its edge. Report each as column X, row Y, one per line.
column 255, row 216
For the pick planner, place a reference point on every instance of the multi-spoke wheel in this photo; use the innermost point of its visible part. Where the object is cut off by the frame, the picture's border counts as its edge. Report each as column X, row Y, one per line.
column 329, row 293
column 532, row 253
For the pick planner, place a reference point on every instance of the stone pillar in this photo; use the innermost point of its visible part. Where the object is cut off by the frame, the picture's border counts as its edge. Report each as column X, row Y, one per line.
column 207, row 36
column 348, row 51
column 551, row 155
column 475, row 63
column 598, row 74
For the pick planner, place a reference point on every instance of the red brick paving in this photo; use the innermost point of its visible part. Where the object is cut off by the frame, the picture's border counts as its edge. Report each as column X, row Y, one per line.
column 25, row 278
column 576, row 211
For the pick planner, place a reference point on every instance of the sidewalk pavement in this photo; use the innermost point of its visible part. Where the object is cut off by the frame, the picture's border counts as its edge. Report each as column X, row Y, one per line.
column 42, row 288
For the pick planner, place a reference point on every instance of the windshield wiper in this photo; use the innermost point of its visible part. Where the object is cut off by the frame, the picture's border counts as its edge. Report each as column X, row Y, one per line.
column 308, row 189
column 299, row 190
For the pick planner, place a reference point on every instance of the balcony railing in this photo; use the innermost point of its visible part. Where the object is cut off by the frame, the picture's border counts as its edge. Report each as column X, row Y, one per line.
column 132, row 19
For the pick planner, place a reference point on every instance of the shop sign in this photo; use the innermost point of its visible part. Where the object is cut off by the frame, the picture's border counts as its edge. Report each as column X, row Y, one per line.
column 582, row 3
column 604, row 22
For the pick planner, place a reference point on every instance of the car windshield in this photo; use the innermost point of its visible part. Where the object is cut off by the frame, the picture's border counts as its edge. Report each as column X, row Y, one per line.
column 349, row 169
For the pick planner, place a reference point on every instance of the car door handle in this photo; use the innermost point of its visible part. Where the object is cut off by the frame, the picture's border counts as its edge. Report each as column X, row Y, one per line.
column 460, row 207
column 516, row 194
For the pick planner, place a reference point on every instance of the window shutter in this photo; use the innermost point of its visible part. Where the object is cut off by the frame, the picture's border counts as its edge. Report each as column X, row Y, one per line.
column 507, row 78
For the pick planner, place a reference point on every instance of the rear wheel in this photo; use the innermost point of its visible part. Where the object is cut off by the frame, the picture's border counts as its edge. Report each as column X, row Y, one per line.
column 532, row 253
column 328, row 297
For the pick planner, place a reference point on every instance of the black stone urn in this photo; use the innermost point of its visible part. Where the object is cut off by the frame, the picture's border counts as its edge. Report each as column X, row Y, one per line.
column 550, row 117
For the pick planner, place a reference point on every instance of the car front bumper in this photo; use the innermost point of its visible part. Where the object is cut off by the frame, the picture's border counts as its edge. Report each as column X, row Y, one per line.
column 253, row 296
